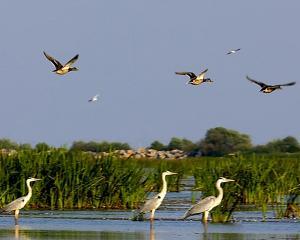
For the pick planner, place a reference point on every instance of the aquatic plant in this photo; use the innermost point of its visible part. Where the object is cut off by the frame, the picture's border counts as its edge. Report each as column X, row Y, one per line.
column 75, row 179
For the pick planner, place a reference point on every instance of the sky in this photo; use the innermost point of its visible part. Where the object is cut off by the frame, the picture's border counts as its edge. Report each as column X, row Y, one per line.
column 128, row 53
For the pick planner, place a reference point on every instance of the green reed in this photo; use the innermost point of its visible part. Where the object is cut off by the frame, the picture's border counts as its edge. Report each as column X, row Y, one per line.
column 74, row 179
column 259, row 180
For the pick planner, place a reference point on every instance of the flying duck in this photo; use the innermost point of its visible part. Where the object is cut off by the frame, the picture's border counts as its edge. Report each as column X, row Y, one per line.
column 269, row 88
column 194, row 79
column 62, row 69
column 233, row 51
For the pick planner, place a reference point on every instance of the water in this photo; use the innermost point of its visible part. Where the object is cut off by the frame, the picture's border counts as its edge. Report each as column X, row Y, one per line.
column 115, row 225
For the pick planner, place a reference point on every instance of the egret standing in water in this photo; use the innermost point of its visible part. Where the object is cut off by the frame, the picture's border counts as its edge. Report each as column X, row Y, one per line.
column 207, row 204
column 19, row 203
column 153, row 203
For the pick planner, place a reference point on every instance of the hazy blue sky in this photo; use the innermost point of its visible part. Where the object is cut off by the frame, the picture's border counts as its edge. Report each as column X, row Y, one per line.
column 129, row 51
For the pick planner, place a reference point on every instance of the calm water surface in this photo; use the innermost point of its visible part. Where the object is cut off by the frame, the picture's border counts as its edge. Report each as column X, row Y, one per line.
column 112, row 225
column 116, row 225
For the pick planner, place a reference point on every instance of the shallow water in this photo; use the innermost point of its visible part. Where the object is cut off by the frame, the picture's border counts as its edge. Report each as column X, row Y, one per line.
column 116, row 224
column 109, row 225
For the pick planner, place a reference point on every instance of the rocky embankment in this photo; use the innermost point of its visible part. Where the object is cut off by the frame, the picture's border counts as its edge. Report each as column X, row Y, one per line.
column 137, row 154
column 149, row 153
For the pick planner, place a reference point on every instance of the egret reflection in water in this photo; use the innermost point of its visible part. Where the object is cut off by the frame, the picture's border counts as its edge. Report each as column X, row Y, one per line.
column 152, row 231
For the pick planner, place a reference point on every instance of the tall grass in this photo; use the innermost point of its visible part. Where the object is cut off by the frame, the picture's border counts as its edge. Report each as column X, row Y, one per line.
column 260, row 180
column 73, row 179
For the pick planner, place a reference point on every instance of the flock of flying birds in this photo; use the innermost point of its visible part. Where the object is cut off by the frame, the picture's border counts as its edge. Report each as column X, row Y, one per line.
column 199, row 79
column 193, row 78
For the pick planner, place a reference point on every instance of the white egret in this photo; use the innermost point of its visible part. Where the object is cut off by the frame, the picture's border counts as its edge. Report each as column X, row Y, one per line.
column 19, row 203
column 153, row 203
column 207, row 204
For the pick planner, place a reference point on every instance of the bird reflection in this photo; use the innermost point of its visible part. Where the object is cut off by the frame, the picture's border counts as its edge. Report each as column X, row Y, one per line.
column 20, row 234
column 17, row 230
column 152, row 231
column 205, row 232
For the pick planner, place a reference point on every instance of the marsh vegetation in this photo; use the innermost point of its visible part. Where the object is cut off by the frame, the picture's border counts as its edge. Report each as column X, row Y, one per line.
column 79, row 180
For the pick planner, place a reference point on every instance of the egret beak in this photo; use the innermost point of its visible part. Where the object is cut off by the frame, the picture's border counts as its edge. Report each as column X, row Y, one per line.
column 37, row 179
column 230, row 180
column 172, row 173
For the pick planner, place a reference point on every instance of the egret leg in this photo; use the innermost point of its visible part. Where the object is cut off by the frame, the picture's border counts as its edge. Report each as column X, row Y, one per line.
column 17, row 216
column 205, row 216
column 152, row 215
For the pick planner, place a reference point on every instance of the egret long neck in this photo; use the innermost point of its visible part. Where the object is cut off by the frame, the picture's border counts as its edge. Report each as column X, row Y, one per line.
column 29, row 194
column 220, row 189
column 164, row 187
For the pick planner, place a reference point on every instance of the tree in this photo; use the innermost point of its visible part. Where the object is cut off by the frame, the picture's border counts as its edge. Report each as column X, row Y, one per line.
column 181, row 144
column 220, row 141
column 104, row 146
column 290, row 144
column 285, row 145
column 6, row 143
column 175, row 143
column 25, row 146
column 157, row 145
column 41, row 147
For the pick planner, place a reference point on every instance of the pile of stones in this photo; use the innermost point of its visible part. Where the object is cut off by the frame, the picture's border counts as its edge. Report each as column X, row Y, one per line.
column 149, row 153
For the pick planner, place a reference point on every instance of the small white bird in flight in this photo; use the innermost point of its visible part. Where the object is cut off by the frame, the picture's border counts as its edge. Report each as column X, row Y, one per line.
column 94, row 99
column 233, row 51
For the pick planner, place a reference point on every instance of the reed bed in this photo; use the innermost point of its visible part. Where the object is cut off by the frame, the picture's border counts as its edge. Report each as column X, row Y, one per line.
column 73, row 180
column 78, row 180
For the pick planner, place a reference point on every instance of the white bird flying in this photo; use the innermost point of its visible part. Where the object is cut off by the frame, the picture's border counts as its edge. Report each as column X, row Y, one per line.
column 94, row 98
column 233, row 51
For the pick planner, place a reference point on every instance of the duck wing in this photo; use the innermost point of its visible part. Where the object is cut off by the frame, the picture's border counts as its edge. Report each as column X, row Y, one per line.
column 74, row 59
column 55, row 62
column 202, row 74
column 257, row 82
column 287, row 84
column 190, row 74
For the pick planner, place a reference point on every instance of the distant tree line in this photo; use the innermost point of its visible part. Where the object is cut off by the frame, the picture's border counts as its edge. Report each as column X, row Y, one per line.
column 103, row 146
column 218, row 141
column 90, row 146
